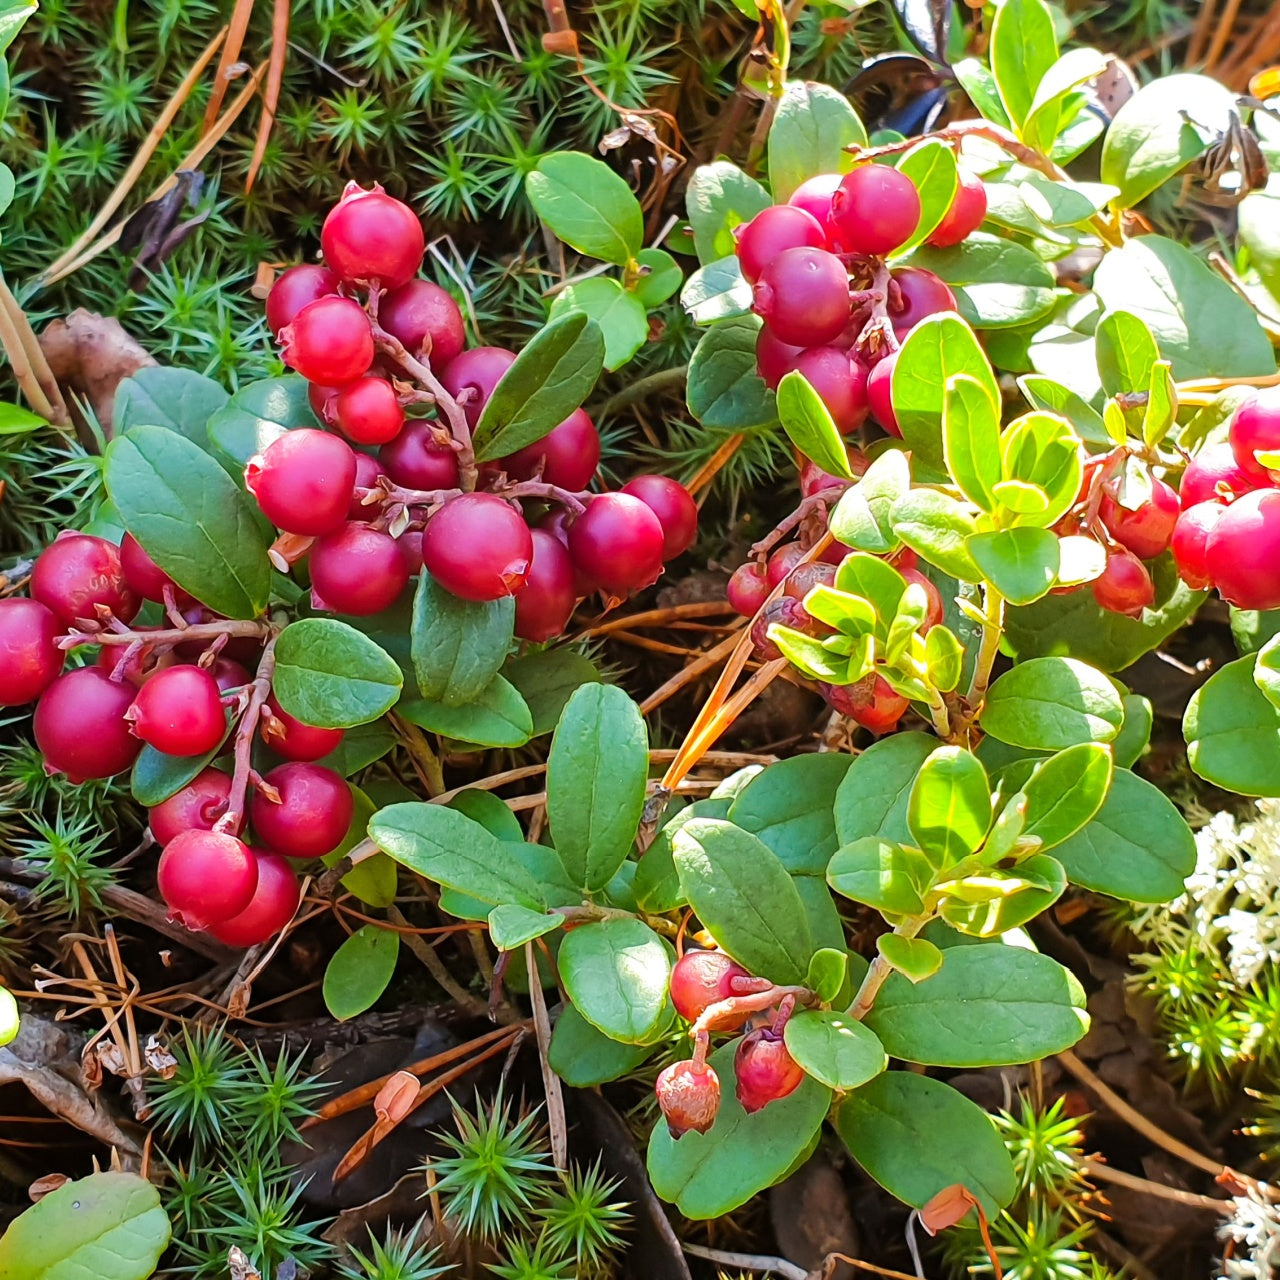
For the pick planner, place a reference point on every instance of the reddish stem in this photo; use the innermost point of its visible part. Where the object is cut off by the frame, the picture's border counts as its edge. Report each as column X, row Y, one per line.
column 258, row 690
column 173, row 635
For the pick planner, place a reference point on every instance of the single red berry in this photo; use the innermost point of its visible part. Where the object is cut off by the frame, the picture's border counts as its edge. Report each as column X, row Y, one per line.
column 935, row 612
column 368, row 469
column 144, row 576
column 688, row 1096
column 700, row 979
column 921, row 294
column 409, row 544
column 1146, row 531
column 968, row 208
column 76, row 573
column 1190, row 544
column 30, row 659
column 782, row 561
column 357, row 570
column 772, row 230
column 804, row 577
column 195, row 808
column 748, row 588
column 295, row 289
column 814, row 195
column 415, row 459
column 870, row 701
column 273, row 905
column 294, row 740
column 803, row 296
column 229, row 674
column 569, row 454
column 206, row 877
column 765, row 1071
column 80, row 728
column 675, row 508
column 1242, row 551
column 774, row 359
column 786, row 611
column 478, row 547
column 303, row 481
column 179, row 711
column 545, row 602
column 876, row 208
column 1255, row 428
column 880, row 393
column 368, row 411
column 371, row 236
column 1214, row 475
column 471, row 377
column 1124, row 585
column 617, row 543
column 329, row 341
column 835, row 553
column 312, row 815
column 840, row 379
column 426, row 320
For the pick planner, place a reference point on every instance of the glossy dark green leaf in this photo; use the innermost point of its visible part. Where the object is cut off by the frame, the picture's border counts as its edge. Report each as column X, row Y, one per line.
column 259, row 413
column 457, row 645
column 547, row 680
column 657, row 883
column 997, row 282
column 617, row 973
column 511, row 925
column 157, row 776
column 719, row 198
column 1050, row 703
column 971, row 439
column 1022, row 563
column 330, row 675
column 1233, row 732
column 813, row 125
column 361, row 745
column 496, row 717
column 360, row 971
column 716, row 292
column 1024, row 46
column 179, row 399
column 587, row 205
column 949, row 809
column 872, row 800
column 723, row 389
column 584, row 1057
column 834, row 1048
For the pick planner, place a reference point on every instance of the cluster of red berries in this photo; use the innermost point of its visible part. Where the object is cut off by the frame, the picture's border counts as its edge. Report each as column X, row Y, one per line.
column 689, row 1091
column 399, row 492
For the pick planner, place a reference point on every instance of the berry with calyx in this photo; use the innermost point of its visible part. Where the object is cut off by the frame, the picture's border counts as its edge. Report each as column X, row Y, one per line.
column 1214, row 475
column 774, row 358
column 689, row 1097
column 136, row 666
column 179, row 711
column 880, row 393
column 1255, row 428
column 875, row 210
column 329, row 341
column 748, row 588
column 274, row 902
column 206, row 877
column 312, row 815
column 968, row 208
column 922, row 294
column 782, row 561
column 814, row 195
column 470, row 378
column 700, row 979
column 425, row 318
column 368, row 411
column 764, row 1070
column 80, row 728
column 77, row 573
column 1124, row 585
column 303, row 481
column 545, row 602
column 840, row 379
column 30, row 659
column 322, row 401
column 294, row 740
column 478, row 547
column 296, row 288
column 410, row 546
column 770, row 232
column 803, row 296
column 1190, row 544
column 675, row 508
column 144, row 576
column 1147, row 531
column 195, row 808
column 357, row 570
column 417, row 460
column 1242, row 551
column 617, row 543
column 569, row 454
column 871, row 702
column 368, row 469
column 371, row 236
column 935, row 609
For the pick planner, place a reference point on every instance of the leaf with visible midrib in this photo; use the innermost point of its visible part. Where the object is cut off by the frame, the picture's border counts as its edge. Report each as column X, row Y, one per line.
column 457, row 645
column 360, row 971
column 617, row 972
column 587, row 205
column 330, row 675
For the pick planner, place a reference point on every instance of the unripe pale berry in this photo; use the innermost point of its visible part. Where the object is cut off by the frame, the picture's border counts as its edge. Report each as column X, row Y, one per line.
column 195, row 808
column 80, row 728
column 312, row 815
column 296, row 288
column 875, row 210
column 206, row 877
column 968, row 208
column 545, row 602
column 803, row 296
column 294, row 740
column 764, row 1070
column 1255, row 428
column 1146, row 531
column 179, row 711
column 689, row 1097
column 1243, row 551
column 1190, row 543
column 274, row 902
column 426, row 319
column 617, row 543
column 1214, row 475
column 1124, row 585
column 675, row 508
column 478, row 547
column 700, row 979
column 782, row 226
column 357, row 570
column 329, row 341
column 369, row 235
column 569, row 454
column 30, row 659
column 303, row 481
column 77, row 573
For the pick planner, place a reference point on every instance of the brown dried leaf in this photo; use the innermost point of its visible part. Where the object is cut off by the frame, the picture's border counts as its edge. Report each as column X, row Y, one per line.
column 159, row 1059
column 91, row 355
column 42, row 1187
column 239, row 1265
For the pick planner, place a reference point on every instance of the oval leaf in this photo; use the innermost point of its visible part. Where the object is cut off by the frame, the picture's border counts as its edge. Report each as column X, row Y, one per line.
column 812, row 127
column 616, row 972
column 457, row 645
column 583, row 1057
column 331, row 675
column 1050, row 703
column 360, row 971
column 834, row 1048
column 587, row 205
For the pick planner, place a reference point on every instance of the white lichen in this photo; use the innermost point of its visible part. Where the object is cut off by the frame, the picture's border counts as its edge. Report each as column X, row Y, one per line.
column 1251, row 1237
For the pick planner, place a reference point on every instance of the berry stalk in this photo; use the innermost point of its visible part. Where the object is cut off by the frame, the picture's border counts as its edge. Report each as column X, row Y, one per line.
column 257, row 692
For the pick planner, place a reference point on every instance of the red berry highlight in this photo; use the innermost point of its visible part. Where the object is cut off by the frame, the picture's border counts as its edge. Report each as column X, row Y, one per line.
column 478, row 547
column 676, row 510
column 880, row 393
column 803, row 296
column 1255, row 428
column 370, row 236
column 417, row 460
column 312, row 815
column 875, row 210
column 1214, row 475
column 871, row 702
column 569, row 454
column 840, row 379
column 1147, row 531
column 1242, row 551
column 368, row 411
column 471, row 377
column 1190, row 544
column 144, row 576
column 617, row 543
column 922, row 294
column 179, row 711
column 30, row 659
column 814, row 195
column 77, row 573
column 765, row 1071
column 329, row 341
column 748, row 588
column 195, row 808
column 303, row 481
column 206, row 877
column 774, row 359
column 689, row 1097
column 700, row 979
column 274, row 902
column 357, row 570
column 293, row 739
column 80, row 727
column 368, row 469
column 1124, row 585
column 545, row 603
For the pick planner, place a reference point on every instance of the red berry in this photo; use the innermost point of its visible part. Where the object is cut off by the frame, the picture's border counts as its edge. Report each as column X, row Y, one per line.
column 676, row 510
column 813, row 195
column 293, row 739
column 312, row 815
column 76, row 573
column 410, row 546
column 478, row 547
column 880, row 393
column 748, row 588
column 417, row 460
column 786, row 611
column 1242, row 551
column 368, row 469
column 782, row 226
column 774, row 359
column 1255, row 428
column 140, row 666
column 804, row 577
column 782, row 561
column 329, row 341
column 1124, row 585
column 472, row 376
column 700, row 979
column 935, row 611
column 274, row 902
column 368, row 411
column 1214, row 475
column 229, row 674
column 840, row 380
column 294, row 289
column 617, row 543
column 323, row 401
column 195, row 808
column 179, row 711
column 875, row 208
column 144, row 576
column 689, row 1097
column 1190, row 543
column 303, row 481
column 1146, row 531
column 569, row 454
column 923, row 294
column 870, row 701
column 357, row 570
column 426, row 319
column 968, row 208
column 30, row 660
column 803, row 296
column 764, row 1069
column 813, row 479
column 80, row 727
column 545, row 602
column 370, row 236
column 206, row 877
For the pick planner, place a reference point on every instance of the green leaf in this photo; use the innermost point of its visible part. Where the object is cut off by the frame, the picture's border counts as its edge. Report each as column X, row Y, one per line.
column 1024, row 46
column 1258, row 216
column 360, row 747
column 1041, row 449
column 662, row 276
column 1203, row 327
column 511, row 925
column 834, row 1048
column 1046, row 704
column 373, row 880
column 874, row 580
column 716, row 292
column 998, row 283
column 587, row 205
column 808, row 423
column 949, row 809
column 258, row 414
column 938, row 528
column 9, row 1023
column 547, row 680
column 1161, row 413
column 706, row 1175
column 360, row 971
column 917, row 1136
column 1233, row 732
column 450, row 849
column 17, row 421
column 944, row 657
column 723, row 389
column 190, row 518
column 829, row 966
column 863, row 517
column 813, row 125
column 874, row 796
column 657, row 883
column 619, row 314
column 457, row 645
column 179, row 399
column 156, row 776
column 744, row 897
column 596, row 777
column 1065, row 792
column 108, row 1226
column 1022, row 564
column 1018, row 1006
column 12, row 17
column 330, row 675
column 971, row 439
column 1135, row 733
column 988, row 904
column 1127, row 352
column 1044, row 117
column 719, row 198
column 617, row 972
column 583, row 1057
column 1266, row 671
column 497, row 717
column 892, row 878
column 549, row 379
column 915, row 958
column 931, row 166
